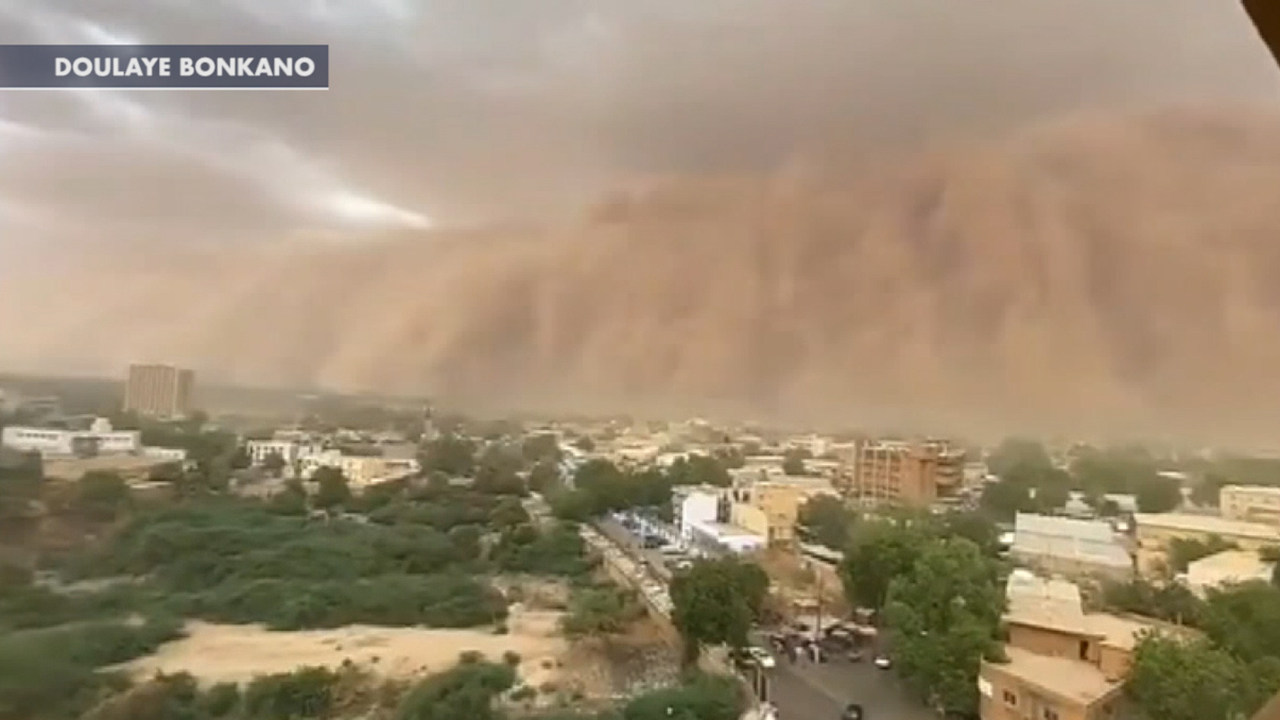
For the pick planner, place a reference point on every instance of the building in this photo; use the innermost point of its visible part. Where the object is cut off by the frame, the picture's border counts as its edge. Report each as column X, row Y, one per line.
column 360, row 470
column 161, row 391
column 1154, row 532
column 906, row 473
column 771, row 507
column 696, row 506
column 1070, row 547
column 716, row 538
column 1226, row 568
column 1250, row 503
column 1062, row 663
column 101, row 439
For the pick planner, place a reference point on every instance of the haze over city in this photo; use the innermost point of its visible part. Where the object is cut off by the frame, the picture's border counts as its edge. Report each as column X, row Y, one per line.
column 1055, row 216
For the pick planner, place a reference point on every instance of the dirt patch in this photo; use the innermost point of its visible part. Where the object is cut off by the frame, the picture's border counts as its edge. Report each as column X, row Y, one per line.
column 238, row 653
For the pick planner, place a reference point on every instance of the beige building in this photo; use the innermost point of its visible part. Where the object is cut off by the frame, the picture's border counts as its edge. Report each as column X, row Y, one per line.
column 1250, row 503
column 1228, row 567
column 1154, row 532
column 769, row 508
column 161, row 391
column 1063, row 663
column 906, row 473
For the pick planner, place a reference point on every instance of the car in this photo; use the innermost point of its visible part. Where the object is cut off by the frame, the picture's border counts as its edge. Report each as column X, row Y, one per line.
column 852, row 711
column 762, row 657
column 883, row 662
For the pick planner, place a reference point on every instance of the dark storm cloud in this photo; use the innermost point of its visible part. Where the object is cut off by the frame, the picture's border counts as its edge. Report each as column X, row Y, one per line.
column 466, row 108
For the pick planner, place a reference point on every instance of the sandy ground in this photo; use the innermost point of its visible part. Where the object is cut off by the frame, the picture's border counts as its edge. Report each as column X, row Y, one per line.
column 237, row 653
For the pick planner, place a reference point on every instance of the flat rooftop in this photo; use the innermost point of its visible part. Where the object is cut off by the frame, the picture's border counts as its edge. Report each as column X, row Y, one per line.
column 1207, row 525
column 1079, row 681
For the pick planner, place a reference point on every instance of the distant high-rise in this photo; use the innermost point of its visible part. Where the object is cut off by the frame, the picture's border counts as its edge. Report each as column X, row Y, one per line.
column 162, row 391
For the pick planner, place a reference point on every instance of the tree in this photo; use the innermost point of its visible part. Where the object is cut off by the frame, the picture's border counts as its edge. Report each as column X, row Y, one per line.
column 601, row 611
column 1017, row 454
column 451, row 454
column 21, row 477
column 1184, row 551
column 793, row 461
column 943, row 616
column 1004, row 499
column 508, row 513
column 101, row 494
column 880, row 552
column 541, row 448
column 544, row 476
column 497, row 471
column 716, row 601
column 698, row 469
column 974, row 527
column 1177, row 679
column 332, row 488
column 1206, row 491
column 274, row 463
column 1244, row 619
column 1159, row 495
column 827, row 520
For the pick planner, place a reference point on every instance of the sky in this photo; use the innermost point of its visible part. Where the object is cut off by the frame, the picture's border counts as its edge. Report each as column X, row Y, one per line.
column 843, row 205
column 452, row 112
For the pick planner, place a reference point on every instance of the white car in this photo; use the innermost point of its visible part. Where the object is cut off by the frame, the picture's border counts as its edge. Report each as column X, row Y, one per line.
column 762, row 657
column 883, row 662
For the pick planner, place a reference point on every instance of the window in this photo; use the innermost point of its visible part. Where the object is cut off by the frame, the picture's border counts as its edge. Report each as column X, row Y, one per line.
column 1084, row 649
column 1050, row 714
column 1010, row 699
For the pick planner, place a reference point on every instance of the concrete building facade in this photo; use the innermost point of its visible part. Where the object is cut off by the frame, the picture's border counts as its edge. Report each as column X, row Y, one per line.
column 776, row 503
column 1250, row 503
column 53, row 443
column 906, row 473
column 161, row 391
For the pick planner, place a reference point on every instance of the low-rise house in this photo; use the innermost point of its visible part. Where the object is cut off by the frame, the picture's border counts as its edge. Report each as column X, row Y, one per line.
column 1061, row 662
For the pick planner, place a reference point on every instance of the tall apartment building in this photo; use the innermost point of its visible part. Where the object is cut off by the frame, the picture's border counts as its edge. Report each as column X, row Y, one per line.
column 906, row 473
column 162, row 391
column 1250, row 503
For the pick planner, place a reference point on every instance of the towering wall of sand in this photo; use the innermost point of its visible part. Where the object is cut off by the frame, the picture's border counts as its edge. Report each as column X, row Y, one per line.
column 1099, row 272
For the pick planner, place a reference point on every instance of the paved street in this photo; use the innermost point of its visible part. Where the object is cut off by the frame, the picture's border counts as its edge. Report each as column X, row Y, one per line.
column 807, row 691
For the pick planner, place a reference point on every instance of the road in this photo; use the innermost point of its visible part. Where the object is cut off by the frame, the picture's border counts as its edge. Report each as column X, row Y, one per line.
column 806, row 691
column 614, row 530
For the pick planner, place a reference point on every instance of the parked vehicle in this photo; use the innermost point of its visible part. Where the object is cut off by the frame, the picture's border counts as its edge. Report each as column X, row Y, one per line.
column 762, row 657
column 883, row 662
column 852, row 711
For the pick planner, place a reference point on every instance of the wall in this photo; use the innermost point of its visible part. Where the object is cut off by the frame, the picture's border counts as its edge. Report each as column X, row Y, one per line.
column 1043, row 641
column 750, row 518
column 998, row 688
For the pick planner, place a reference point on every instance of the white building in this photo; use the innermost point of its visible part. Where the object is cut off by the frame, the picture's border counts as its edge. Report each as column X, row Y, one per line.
column 290, row 451
column 164, row 454
column 717, row 537
column 359, row 470
column 696, row 506
column 1226, row 568
column 1067, row 546
column 101, row 439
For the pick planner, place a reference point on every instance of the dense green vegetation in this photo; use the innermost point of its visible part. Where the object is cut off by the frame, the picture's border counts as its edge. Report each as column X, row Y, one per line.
column 474, row 689
column 1233, row 668
column 406, row 553
column 599, row 486
column 1031, row 482
column 716, row 601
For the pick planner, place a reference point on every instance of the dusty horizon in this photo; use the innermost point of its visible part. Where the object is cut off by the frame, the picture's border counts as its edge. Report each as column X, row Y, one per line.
column 979, row 218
